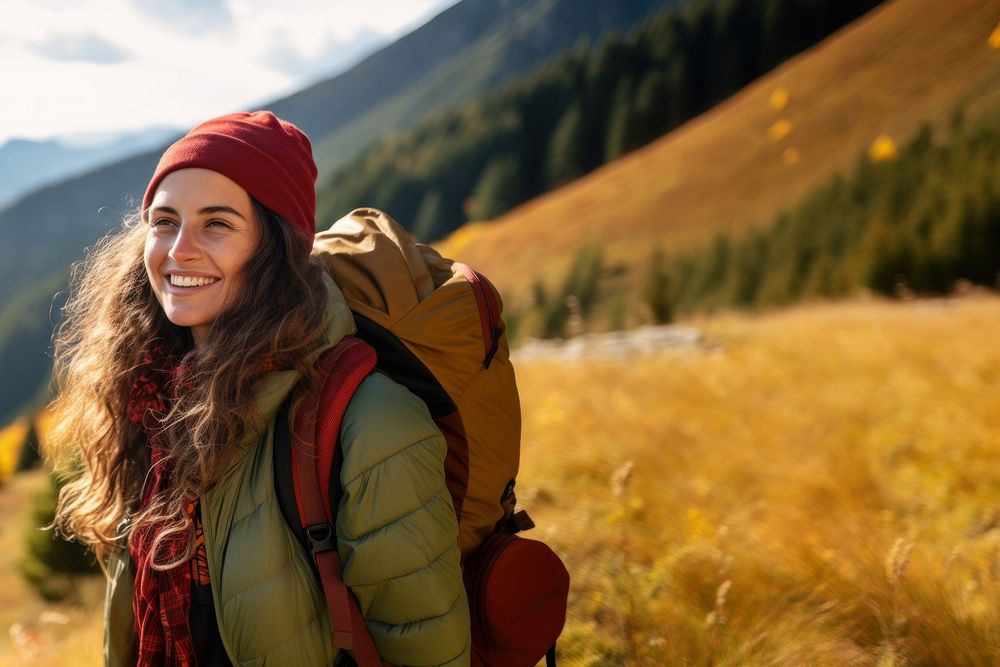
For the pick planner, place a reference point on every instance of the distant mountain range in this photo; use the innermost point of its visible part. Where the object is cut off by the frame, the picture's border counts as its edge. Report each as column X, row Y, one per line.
column 27, row 165
column 468, row 49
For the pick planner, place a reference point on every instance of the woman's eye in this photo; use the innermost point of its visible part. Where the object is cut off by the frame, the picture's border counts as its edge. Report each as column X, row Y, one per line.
column 218, row 223
column 159, row 222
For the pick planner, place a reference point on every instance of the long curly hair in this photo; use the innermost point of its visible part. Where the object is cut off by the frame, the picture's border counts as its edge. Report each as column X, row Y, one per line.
column 110, row 323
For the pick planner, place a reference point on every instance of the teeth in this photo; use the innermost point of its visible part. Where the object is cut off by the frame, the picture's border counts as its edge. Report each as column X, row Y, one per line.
column 190, row 281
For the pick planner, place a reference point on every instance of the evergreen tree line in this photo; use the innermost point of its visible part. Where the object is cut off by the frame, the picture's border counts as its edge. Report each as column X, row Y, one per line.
column 577, row 112
column 51, row 565
column 565, row 309
column 915, row 225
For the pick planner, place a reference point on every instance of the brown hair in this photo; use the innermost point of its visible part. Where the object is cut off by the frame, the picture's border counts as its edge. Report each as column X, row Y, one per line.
column 110, row 323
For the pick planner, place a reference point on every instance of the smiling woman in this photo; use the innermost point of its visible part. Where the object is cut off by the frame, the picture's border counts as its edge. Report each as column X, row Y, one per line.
column 182, row 338
column 202, row 231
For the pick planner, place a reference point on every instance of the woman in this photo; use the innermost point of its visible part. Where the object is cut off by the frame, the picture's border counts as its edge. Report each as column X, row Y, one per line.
column 182, row 337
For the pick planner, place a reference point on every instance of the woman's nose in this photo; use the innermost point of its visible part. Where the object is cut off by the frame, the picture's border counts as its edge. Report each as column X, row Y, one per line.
column 185, row 246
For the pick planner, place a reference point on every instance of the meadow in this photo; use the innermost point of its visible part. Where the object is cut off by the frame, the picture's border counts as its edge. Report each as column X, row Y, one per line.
column 820, row 486
column 813, row 486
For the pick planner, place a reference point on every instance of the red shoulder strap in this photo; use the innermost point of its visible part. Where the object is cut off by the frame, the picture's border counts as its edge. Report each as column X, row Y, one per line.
column 315, row 434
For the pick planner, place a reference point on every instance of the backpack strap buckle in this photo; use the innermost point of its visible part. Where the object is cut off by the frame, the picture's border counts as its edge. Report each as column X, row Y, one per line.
column 321, row 537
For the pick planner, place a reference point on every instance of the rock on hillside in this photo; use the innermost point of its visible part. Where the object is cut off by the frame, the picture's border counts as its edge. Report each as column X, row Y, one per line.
column 617, row 344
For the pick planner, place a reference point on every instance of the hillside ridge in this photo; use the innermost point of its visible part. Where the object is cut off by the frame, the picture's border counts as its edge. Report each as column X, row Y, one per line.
column 905, row 63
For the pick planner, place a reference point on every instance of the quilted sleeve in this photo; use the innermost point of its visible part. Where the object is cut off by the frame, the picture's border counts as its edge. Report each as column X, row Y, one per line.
column 396, row 528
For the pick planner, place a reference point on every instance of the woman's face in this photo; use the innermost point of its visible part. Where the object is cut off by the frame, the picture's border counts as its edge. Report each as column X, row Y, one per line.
column 202, row 231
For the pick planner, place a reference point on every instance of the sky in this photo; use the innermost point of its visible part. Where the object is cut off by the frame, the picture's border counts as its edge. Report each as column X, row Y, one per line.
column 71, row 67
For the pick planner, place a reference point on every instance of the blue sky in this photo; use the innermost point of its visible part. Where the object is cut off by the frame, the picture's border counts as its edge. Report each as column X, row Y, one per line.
column 94, row 66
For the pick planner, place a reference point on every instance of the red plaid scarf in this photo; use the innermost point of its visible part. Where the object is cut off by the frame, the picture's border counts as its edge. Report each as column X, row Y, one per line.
column 161, row 599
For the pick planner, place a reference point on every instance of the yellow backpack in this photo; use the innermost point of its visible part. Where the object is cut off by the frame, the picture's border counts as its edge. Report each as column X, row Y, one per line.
column 436, row 327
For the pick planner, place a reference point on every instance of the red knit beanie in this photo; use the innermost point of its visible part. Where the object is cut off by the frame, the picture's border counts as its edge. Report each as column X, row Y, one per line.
column 268, row 157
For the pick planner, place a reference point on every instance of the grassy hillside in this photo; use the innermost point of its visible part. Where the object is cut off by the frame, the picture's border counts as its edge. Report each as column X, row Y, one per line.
column 578, row 111
column 759, row 152
column 817, row 486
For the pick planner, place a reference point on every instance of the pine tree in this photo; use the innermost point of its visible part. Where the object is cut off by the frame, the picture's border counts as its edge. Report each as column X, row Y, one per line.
column 656, row 289
column 498, row 189
column 429, row 223
column 29, row 456
column 539, row 297
column 622, row 132
column 652, row 107
column 50, row 564
column 747, row 268
column 584, row 277
column 579, row 292
column 567, row 152
column 885, row 262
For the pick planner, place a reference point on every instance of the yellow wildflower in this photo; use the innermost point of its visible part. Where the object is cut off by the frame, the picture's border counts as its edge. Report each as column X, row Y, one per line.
column 780, row 129
column 779, row 99
column 994, row 40
column 698, row 525
column 11, row 439
column 615, row 517
column 883, row 149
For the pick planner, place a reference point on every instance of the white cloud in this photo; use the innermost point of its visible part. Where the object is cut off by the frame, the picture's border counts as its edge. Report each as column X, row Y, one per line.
column 79, row 47
column 170, row 71
column 285, row 54
column 196, row 16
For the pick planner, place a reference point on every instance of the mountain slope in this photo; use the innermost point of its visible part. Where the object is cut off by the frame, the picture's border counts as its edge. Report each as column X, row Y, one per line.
column 579, row 110
column 902, row 64
column 523, row 35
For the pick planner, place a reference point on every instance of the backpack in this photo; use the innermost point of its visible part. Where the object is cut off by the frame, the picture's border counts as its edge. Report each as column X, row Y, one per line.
column 435, row 327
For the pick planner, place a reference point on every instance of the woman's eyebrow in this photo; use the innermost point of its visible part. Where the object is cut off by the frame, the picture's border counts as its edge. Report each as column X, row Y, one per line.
column 208, row 209
column 222, row 209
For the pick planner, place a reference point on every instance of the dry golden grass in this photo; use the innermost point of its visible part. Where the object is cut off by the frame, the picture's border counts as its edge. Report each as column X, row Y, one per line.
column 759, row 152
column 32, row 632
column 822, row 489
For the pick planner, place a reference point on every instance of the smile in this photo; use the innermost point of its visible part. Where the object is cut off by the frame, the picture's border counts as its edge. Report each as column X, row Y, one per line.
column 191, row 281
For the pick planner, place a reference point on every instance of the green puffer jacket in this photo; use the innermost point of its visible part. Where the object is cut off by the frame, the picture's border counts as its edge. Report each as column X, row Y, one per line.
column 396, row 534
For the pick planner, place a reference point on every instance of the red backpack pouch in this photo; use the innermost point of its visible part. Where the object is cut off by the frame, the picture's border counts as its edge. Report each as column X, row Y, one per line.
column 517, row 599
